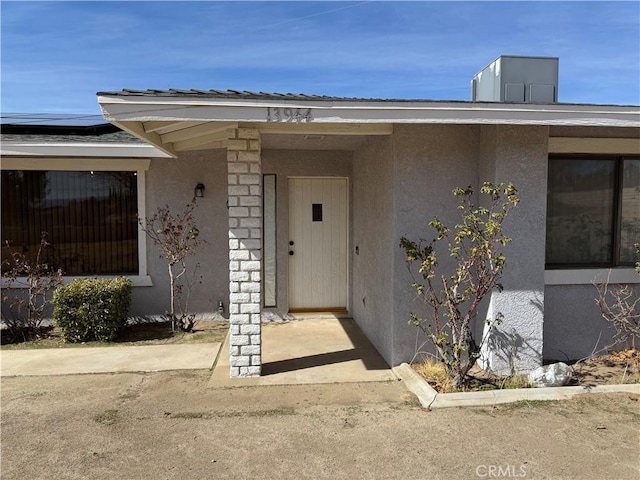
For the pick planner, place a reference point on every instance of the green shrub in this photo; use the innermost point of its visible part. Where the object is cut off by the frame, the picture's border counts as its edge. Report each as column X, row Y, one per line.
column 92, row 309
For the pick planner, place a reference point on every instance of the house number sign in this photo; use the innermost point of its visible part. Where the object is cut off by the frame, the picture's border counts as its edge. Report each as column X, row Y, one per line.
column 297, row 115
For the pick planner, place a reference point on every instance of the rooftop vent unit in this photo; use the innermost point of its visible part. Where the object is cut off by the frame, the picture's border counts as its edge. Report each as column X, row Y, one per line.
column 517, row 79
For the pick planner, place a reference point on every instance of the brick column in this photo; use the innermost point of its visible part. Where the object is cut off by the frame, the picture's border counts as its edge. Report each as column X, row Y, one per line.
column 245, row 249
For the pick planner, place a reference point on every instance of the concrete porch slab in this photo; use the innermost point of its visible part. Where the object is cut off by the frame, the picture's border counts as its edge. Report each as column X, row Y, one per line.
column 66, row 361
column 318, row 350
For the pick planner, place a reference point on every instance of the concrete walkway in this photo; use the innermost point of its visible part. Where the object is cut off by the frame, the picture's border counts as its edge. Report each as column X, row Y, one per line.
column 310, row 351
column 66, row 361
column 314, row 350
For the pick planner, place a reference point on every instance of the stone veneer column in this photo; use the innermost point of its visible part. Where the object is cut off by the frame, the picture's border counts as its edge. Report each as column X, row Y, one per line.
column 245, row 249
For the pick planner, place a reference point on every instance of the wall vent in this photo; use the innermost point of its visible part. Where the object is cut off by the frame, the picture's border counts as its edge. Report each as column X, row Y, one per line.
column 518, row 80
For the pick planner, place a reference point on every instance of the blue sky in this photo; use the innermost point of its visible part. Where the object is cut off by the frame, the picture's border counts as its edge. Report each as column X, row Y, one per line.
column 57, row 55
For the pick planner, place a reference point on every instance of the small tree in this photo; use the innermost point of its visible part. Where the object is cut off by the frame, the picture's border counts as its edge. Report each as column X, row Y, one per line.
column 37, row 278
column 621, row 308
column 177, row 238
column 452, row 301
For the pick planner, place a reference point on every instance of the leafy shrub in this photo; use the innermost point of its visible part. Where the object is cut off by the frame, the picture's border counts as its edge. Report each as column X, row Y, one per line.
column 92, row 309
column 452, row 300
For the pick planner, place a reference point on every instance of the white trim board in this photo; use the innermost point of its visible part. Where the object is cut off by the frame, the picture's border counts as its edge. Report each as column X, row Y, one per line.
column 136, row 280
column 80, row 150
column 620, row 146
column 75, row 164
column 589, row 275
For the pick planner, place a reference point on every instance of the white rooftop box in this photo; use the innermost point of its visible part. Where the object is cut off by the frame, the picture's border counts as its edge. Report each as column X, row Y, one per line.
column 517, row 79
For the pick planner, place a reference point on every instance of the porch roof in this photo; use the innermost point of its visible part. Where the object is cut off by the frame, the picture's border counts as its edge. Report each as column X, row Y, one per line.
column 177, row 120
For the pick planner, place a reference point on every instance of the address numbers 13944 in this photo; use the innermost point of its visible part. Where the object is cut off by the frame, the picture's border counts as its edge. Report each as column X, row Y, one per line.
column 296, row 115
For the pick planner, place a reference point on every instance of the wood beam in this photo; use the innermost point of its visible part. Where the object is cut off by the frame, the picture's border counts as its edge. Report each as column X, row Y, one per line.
column 167, row 127
column 137, row 130
column 197, row 131
column 200, row 141
column 207, row 146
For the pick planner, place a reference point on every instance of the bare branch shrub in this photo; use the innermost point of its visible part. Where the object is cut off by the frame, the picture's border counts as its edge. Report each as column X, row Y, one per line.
column 177, row 238
column 35, row 277
column 621, row 308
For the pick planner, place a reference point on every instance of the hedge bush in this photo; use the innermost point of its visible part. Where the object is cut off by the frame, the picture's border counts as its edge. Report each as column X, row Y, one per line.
column 92, row 308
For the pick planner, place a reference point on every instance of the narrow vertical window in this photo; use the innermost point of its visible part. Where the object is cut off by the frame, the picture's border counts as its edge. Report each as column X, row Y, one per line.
column 269, row 239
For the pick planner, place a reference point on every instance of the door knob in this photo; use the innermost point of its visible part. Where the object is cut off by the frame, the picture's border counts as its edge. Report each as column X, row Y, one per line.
column 290, row 252
column 290, row 242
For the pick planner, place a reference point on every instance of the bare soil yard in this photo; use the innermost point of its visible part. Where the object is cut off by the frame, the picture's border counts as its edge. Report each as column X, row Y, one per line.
column 169, row 425
column 611, row 369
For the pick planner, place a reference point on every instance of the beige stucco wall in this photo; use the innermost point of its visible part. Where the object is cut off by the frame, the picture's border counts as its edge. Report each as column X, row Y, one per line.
column 519, row 155
column 373, row 235
column 573, row 325
column 397, row 184
column 429, row 162
column 171, row 182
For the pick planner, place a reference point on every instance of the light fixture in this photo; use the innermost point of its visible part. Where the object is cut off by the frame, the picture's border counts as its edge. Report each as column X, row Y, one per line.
column 198, row 192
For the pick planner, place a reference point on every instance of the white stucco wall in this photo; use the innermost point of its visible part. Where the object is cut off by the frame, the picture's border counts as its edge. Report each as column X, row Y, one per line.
column 171, row 182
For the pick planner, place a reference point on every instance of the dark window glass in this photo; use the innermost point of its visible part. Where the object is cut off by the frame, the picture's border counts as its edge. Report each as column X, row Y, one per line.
column 630, row 217
column 90, row 218
column 593, row 212
column 316, row 212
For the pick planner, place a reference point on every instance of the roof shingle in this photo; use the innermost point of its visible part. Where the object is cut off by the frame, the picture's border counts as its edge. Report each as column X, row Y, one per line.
column 242, row 94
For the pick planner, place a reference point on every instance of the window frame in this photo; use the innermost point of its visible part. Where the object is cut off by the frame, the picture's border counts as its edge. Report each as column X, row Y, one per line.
column 616, row 220
column 138, row 165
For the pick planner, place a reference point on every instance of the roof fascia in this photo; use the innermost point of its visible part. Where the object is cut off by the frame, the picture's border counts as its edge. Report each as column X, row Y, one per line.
column 143, row 109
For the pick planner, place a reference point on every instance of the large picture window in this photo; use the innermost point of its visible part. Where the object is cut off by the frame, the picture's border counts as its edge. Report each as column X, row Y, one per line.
column 91, row 218
column 593, row 212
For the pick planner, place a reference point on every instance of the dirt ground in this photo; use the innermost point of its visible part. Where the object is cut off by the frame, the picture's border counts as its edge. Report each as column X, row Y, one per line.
column 169, row 425
column 614, row 368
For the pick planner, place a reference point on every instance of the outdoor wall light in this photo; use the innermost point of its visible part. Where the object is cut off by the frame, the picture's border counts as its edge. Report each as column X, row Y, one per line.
column 198, row 192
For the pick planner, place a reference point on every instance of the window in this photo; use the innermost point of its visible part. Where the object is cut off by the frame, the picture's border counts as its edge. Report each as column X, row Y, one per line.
column 593, row 211
column 269, row 197
column 90, row 216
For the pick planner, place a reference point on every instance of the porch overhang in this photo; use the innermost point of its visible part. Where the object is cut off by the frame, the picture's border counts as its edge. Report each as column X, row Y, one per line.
column 175, row 123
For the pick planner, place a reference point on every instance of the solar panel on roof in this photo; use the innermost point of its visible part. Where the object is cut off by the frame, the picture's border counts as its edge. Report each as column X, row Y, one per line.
column 52, row 119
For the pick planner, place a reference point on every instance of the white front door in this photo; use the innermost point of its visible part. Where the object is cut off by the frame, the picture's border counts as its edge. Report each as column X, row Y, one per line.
column 318, row 243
